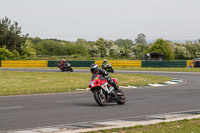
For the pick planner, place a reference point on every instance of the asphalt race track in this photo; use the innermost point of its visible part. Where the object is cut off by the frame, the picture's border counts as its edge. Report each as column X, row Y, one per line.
column 30, row 111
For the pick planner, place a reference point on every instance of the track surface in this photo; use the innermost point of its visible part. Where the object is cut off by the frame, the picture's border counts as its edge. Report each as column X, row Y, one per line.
column 29, row 111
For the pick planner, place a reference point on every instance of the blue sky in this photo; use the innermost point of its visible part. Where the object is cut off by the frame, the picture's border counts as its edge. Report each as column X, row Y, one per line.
column 110, row 19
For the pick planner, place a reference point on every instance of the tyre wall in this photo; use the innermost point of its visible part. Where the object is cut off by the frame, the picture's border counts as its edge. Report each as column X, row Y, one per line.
column 122, row 64
column 119, row 64
column 73, row 63
column 24, row 63
column 164, row 63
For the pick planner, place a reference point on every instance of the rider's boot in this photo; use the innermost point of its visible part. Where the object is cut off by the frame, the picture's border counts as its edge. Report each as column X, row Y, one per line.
column 117, row 89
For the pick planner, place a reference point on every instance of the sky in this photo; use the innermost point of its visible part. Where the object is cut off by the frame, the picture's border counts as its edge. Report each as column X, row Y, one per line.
column 108, row 19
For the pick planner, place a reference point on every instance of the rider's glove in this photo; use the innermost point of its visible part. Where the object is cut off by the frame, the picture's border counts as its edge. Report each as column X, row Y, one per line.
column 107, row 76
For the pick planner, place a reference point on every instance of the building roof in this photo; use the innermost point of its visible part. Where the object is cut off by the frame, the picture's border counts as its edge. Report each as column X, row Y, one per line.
column 154, row 53
column 196, row 59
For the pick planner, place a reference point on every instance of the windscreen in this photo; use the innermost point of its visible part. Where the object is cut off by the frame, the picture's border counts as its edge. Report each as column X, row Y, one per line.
column 93, row 76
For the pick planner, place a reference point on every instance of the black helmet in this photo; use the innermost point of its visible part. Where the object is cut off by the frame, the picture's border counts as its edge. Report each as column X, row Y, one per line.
column 94, row 68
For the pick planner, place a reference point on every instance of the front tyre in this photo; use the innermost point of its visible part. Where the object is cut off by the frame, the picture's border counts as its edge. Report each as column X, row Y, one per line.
column 100, row 97
column 121, row 98
column 71, row 70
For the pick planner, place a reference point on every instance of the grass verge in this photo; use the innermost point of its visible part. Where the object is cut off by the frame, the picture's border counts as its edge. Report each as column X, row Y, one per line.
column 183, row 126
column 18, row 83
column 170, row 69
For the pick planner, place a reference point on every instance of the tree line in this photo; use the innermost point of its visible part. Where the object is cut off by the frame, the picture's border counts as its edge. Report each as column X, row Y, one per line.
column 14, row 45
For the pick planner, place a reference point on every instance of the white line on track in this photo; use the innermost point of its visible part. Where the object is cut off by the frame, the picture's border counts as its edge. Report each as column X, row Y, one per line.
column 162, row 72
column 11, row 107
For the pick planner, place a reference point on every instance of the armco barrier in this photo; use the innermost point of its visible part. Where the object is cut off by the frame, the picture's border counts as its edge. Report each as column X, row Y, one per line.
column 73, row 63
column 53, row 63
column 164, row 63
column 81, row 63
column 88, row 63
column 24, row 63
column 122, row 63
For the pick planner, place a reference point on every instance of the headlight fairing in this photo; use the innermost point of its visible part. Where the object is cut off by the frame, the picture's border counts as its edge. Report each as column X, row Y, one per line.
column 92, row 83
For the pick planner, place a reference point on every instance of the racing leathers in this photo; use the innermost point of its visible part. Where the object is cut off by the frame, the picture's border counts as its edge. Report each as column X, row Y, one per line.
column 103, row 65
column 64, row 63
column 105, row 74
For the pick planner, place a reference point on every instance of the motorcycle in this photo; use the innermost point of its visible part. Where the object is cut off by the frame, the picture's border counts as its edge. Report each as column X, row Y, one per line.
column 103, row 92
column 65, row 67
column 108, row 68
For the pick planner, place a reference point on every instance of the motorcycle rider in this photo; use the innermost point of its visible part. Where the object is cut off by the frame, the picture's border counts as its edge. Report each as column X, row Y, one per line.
column 63, row 61
column 95, row 70
column 104, row 63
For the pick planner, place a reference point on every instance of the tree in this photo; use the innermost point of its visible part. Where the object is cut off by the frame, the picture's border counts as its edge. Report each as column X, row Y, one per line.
column 35, row 40
column 81, row 41
column 139, row 50
column 180, row 51
column 93, row 50
column 163, row 47
column 141, row 38
column 27, row 50
column 193, row 48
column 127, row 43
column 10, row 35
column 125, row 53
column 103, row 46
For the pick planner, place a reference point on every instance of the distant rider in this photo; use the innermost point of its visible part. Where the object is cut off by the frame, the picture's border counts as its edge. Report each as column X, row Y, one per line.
column 103, row 65
column 64, row 62
column 95, row 70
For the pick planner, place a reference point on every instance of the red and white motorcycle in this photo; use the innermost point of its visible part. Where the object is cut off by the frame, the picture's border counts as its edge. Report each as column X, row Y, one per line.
column 103, row 92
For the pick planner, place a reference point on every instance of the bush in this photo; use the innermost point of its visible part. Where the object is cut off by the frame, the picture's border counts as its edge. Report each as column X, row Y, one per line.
column 15, row 55
column 28, row 52
column 5, row 54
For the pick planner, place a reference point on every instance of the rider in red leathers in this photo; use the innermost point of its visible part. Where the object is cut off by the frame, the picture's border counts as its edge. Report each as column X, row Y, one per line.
column 63, row 61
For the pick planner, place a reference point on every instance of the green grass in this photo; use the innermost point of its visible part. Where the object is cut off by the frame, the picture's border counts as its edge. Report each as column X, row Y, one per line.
column 171, row 69
column 183, row 126
column 17, row 83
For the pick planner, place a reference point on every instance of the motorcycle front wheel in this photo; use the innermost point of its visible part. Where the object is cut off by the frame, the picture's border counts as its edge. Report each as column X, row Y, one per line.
column 112, row 71
column 100, row 97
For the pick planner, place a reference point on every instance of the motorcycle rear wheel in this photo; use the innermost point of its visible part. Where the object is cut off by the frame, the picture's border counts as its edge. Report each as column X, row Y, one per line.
column 100, row 97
